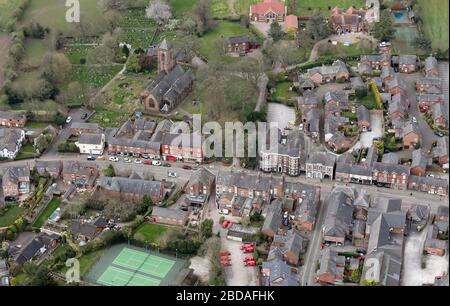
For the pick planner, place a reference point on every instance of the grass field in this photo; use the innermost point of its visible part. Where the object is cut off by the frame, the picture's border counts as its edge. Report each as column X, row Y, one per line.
column 35, row 50
column 209, row 42
column 7, row 8
column 107, row 117
column 10, row 216
column 150, row 232
column 403, row 42
column 179, row 7
column 5, row 42
column 435, row 16
column 52, row 14
column 47, row 212
column 342, row 50
column 282, row 91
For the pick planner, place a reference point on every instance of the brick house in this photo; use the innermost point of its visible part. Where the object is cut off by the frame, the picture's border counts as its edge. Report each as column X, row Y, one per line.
column 407, row 63
column 83, row 175
column 268, row 11
column 237, row 45
column 291, row 244
column 411, row 135
column 427, row 83
column 84, row 231
column 16, row 183
column 396, row 86
column 169, row 216
column 356, row 174
column 390, row 175
column 320, row 165
column 272, row 223
column 440, row 152
column 338, row 219
column 429, row 185
column 12, row 119
column 78, row 128
column 332, row 267
column 52, row 168
column 199, row 187
column 434, row 245
column 428, row 100
column 440, row 115
column 419, row 163
column 132, row 189
column 376, row 61
column 324, row 74
column 351, row 20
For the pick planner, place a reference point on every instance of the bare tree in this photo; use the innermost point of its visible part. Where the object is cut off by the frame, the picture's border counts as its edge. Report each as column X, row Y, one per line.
column 159, row 11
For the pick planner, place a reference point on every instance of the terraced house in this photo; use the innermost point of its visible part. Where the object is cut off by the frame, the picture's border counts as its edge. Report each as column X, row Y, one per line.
column 12, row 119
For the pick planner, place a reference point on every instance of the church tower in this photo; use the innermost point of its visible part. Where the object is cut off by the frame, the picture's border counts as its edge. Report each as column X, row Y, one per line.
column 166, row 59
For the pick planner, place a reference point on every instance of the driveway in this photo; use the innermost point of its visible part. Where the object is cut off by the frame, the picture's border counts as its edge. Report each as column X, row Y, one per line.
column 413, row 274
column 366, row 139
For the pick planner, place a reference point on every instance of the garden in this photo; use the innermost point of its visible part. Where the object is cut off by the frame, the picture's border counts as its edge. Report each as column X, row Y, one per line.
column 150, row 233
column 47, row 212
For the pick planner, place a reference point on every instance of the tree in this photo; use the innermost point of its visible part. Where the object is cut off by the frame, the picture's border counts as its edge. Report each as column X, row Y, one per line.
column 133, row 64
column 102, row 55
column 59, row 118
column 199, row 20
column 56, row 68
column 42, row 278
column 421, row 42
column 317, row 28
column 384, row 30
column 245, row 21
column 109, row 171
column 112, row 18
column 159, row 11
column 206, row 228
column 276, row 32
column 361, row 92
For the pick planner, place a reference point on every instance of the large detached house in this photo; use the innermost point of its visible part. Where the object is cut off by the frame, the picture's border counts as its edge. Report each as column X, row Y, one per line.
column 16, row 183
column 268, row 11
column 10, row 142
column 351, row 20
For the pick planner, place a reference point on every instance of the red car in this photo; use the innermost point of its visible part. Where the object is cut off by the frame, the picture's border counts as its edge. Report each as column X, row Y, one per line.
column 226, row 223
column 249, row 258
column 248, row 250
column 225, row 258
column 225, row 263
column 186, row 167
column 225, row 253
column 147, row 162
column 423, row 110
column 249, row 263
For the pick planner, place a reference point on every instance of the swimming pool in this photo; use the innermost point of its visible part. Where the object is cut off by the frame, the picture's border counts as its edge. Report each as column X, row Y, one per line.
column 400, row 17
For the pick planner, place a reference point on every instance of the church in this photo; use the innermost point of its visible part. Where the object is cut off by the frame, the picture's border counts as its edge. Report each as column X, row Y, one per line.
column 172, row 84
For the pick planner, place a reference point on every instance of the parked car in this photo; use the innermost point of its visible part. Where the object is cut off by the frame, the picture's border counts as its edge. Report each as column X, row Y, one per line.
column 113, row 159
column 69, row 120
column 127, row 160
column 91, row 158
column 166, row 165
column 84, row 116
column 414, row 120
column 226, row 223
column 249, row 263
column 186, row 167
column 423, row 110
column 248, row 250
column 249, row 258
column 225, row 263
column 147, row 162
column 156, row 163
column 101, row 157
column 172, row 174
column 138, row 161
column 439, row 134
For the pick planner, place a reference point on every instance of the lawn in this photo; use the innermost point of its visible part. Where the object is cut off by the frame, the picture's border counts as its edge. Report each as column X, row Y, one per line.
column 179, row 7
column 47, row 212
column 11, row 215
column 150, row 232
column 37, row 125
column 362, row 47
column 209, row 42
column 403, row 41
column 28, row 148
column 220, row 8
column 86, row 262
column 368, row 101
column 7, row 8
column 52, row 14
column 282, row 92
column 434, row 14
column 76, row 53
column 35, row 50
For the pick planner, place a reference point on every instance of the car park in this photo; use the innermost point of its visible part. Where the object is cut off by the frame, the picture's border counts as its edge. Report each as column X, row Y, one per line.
column 166, row 165
column 127, row 160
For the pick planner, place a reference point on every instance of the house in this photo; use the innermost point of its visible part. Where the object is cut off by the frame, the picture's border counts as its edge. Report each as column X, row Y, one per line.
column 92, row 144
column 332, row 267
column 356, row 174
column 52, row 168
column 16, row 183
column 336, row 103
column 237, row 45
column 308, row 101
column 371, row 157
column 303, row 83
column 290, row 156
column 332, row 125
column 268, row 11
column 199, row 187
column 171, row 86
column 278, row 273
column 42, row 244
column 12, row 119
column 390, row 175
column 390, row 158
column 169, row 216
column 434, row 245
column 339, row 143
column 185, row 147
column 324, row 74
column 429, row 85
column 84, row 231
column 82, row 175
column 357, row 83
column 291, row 23
column 376, row 61
column 307, row 200
column 396, row 109
column 362, row 113
column 417, row 217
column 135, row 137
column 431, row 185
column 320, row 165
column 272, row 223
column 338, row 219
column 241, row 206
column 387, row 74
column 427, row 101
column 411, row 135
column 291, row 244
column 312, row 123
column 440, row 152
column 419, row 163
column 132, row 189
column 440, row 115
column 78, row 128
column 351, row 20
column 10, row 142
column 396, row 86
column 407, row 63
column 431, row 68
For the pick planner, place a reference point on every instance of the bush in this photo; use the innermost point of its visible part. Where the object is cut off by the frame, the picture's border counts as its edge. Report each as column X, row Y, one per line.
column 68, row 147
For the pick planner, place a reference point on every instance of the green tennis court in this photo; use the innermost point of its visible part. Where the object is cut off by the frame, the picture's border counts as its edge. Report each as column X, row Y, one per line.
column 118, row 277
column 143, row 262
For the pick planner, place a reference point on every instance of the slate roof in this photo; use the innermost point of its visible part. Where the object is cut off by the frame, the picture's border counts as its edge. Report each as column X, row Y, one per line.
column 11, row 116
column 331, row 262
column 390, row 158
column 410, row 127
column 439, row 110
column 407, row 59
column 202, row 176
column 129, row 185
column 84, row 126
column 272, row 221
column 430, row 63
column 238, row 39
column 168, row 213
column 86, row 229
column 279, row 273
column 93, row 139
column 48, row 166
column 338, row 219
column 357, row 82
column 430, row 181
column 442, row 147
column 372, row 156
column 9, row 139
column 362, row 114
column 419, row 159
column 322, row 158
